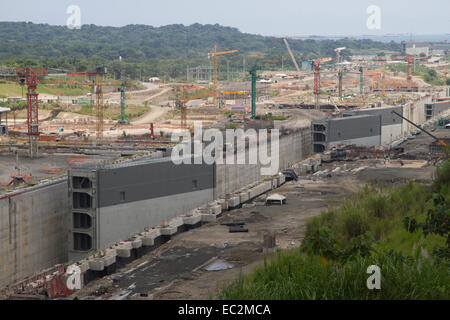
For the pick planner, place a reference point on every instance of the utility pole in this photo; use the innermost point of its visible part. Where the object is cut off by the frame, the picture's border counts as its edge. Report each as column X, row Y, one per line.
column 340, row 82
column 361, row 81
column 254, row 76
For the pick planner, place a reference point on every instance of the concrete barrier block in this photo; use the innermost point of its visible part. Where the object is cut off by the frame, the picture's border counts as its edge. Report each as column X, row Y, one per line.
column 124, row 249
column 223, row 203
column 243, row 197
column 191, row 220
column 168, row 231
column 155, row 233
column 123, row 252
column 176, row 222
column 109, row 260
column 126, row 244
column 136, row 243
column 97, row 264
column 84, row 266
column 260, row 188
column 282, row 179
column 216, row 209
column 234, row 201
column 148, row 240
column 204, row 210
column 208, row 217
column 274, row 183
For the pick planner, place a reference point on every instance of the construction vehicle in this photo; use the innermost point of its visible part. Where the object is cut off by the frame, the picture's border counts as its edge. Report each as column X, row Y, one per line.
column 214, row 55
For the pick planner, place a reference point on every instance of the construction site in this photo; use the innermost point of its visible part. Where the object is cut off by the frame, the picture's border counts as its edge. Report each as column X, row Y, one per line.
column 92, row 206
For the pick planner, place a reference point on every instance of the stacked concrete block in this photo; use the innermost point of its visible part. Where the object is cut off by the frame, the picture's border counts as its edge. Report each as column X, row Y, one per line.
column 282, row 179
column 267, row 185
column 233, row 201
column 215, row 208
column 109, row 259
column 96, row 264
column 168, row 230
column 253, row 192
column 148, row 237
column 136, row 243
column 274, row 183
column 207, row 217
column 243, row 196
column 223, row 203
column 192, row 218
column 124, row 249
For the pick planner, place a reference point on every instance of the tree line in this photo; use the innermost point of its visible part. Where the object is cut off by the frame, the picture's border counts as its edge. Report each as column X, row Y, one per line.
column 156, row 51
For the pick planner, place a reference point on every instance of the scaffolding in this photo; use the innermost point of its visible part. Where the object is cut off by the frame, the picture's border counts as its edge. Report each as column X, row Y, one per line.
column 200, row 73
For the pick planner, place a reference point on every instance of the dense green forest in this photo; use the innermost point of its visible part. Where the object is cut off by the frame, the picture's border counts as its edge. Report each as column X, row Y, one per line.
column 155, row 51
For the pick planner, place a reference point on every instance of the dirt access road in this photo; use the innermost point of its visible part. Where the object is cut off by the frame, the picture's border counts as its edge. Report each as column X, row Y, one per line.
column 155, row 111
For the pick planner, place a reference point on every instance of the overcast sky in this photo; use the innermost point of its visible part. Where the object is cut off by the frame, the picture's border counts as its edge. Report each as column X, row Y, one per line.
column 266, row 17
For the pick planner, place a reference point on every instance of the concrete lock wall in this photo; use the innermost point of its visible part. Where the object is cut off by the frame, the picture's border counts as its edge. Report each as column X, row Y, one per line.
column 37, row 225
column 33, row 231
column 292, row 148
column 391, row 124
column 415, row 112
column 111, row 203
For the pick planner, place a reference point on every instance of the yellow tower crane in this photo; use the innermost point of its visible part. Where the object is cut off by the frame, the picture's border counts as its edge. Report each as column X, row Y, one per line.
column 214, row 55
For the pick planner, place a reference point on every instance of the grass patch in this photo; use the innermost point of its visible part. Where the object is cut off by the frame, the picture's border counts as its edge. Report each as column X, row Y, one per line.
column 14, row 89
column 296, row 276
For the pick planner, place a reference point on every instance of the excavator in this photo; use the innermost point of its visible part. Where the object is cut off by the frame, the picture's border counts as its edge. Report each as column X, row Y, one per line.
column 421, row 129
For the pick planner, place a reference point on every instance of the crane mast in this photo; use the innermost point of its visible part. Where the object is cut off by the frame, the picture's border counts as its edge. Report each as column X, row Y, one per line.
column 214, row 55
column 292, row 55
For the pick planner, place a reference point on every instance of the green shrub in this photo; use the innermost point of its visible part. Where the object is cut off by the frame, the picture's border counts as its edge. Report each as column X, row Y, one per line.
column 442, row 177
column 354, row 222
column 378, row 206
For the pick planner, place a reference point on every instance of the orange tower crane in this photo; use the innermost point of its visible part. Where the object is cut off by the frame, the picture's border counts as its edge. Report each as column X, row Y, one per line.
column 214, row 55
column 316, row 67
column 29, row 76
column 98, row 87
column 182, row 105
column 409, row 77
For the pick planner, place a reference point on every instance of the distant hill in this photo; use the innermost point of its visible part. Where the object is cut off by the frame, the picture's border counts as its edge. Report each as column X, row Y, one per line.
column 136, row 44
